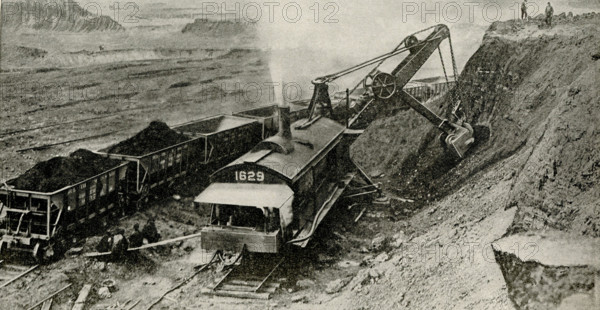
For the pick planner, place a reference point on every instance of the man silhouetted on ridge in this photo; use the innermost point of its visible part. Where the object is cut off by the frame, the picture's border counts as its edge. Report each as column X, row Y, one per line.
column 549, row 14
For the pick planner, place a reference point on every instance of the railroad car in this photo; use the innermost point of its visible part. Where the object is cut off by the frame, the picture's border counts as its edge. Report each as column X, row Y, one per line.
column 37, row 222
column 40, row 222
column 280, row 191
column 211, row 140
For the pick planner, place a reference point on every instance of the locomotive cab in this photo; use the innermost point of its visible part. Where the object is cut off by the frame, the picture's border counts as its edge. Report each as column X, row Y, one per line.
column 245, row 214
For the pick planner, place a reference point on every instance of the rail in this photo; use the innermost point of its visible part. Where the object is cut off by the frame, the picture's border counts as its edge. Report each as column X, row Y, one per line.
column 257, row 284
column 230, row 270
column 180, row 284
column 19, row 276
column 269, row 275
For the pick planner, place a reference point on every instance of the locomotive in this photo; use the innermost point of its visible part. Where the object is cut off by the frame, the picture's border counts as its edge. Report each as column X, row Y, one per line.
column 281, row 190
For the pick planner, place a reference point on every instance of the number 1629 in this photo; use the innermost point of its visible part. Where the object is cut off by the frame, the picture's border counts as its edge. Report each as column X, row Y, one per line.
column 249, row 176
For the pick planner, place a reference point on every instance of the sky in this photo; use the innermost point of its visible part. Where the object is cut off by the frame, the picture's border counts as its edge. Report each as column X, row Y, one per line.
column 309, row 38
column 330, row 35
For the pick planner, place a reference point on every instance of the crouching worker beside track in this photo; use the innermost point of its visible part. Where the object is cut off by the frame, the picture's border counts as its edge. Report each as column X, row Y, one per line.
column 106, row 243
column 150, row 232
column 120, row 244
column 136, row 239
column 116, row 244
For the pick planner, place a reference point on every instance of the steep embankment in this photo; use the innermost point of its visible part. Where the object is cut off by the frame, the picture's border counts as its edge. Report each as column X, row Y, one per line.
column 55, row 16
column 537, row 89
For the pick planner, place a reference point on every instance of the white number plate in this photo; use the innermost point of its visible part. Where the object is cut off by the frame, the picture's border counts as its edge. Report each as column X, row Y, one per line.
column 249, row 176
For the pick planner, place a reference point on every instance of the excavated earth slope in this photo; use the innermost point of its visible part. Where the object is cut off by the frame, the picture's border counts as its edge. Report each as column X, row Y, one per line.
column 537, row 90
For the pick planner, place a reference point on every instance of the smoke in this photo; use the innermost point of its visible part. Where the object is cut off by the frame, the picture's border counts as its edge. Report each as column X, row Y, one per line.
column 331, row 36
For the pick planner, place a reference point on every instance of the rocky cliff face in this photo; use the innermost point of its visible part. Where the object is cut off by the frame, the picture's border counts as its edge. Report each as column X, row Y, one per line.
column 55, row 16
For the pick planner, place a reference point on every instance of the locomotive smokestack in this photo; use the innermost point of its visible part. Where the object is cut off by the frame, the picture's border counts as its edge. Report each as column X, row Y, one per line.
column 284, row 122
column 284, row 136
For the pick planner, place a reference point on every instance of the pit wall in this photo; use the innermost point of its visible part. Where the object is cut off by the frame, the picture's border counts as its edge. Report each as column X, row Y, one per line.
column 533, row 286
column 537, row 91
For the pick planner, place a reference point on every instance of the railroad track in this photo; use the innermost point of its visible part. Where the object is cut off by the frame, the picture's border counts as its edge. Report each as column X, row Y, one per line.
column 249, row 278
column 11, row 273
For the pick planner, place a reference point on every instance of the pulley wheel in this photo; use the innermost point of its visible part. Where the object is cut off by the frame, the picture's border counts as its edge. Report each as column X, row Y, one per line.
column 383, row 85
column 410, row 42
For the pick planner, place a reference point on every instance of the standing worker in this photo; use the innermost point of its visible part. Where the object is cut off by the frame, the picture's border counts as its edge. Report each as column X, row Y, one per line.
column 549, row 13
column 524, row 10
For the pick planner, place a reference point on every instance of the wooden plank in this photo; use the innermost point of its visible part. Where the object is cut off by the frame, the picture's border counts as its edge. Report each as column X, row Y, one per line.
column 49, row 297
column 96, row 254
column 360, row 214
column 229, row 286
column 145, row 246
column 19, row 276
column 244, row 282
column 151, row 245
column 134, row 304
column 249, row 295
column 45, row 146
column 47, row 304
column 83, row 294
column 236, row 288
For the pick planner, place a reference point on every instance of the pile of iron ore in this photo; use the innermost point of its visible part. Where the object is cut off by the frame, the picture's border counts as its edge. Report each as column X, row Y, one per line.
column 155, row 137
column 58, row 172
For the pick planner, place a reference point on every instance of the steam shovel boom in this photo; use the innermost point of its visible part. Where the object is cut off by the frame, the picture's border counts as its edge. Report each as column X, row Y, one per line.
column 387, row 88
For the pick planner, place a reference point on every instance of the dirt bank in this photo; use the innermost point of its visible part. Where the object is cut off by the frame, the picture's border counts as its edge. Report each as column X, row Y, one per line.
column 536, row 88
